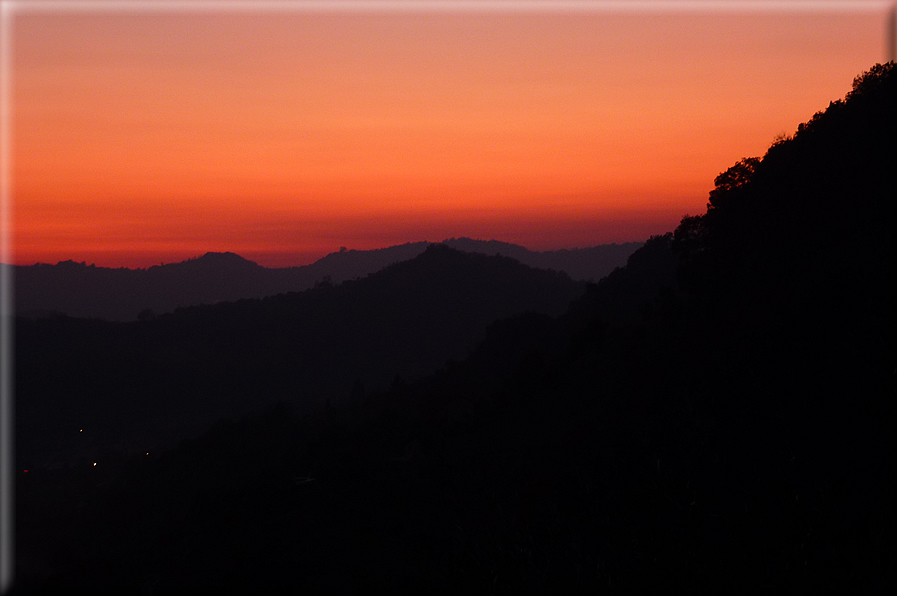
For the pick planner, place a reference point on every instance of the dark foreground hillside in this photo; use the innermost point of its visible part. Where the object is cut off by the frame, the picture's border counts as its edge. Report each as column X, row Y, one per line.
column 714, row 417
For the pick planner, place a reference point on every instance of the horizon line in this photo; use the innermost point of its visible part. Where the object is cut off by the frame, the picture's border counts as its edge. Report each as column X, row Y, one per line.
column 338, row 251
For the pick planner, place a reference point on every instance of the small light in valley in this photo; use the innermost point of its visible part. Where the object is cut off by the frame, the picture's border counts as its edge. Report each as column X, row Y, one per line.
column 94, row 464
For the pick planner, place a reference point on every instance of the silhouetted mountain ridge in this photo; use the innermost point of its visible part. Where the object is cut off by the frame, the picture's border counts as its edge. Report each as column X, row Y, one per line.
column 219, row 259
column 203, row 362
column 82, row 290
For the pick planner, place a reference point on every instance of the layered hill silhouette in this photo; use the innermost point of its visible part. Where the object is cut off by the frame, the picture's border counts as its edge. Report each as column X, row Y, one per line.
column 184, row 370
column 82, row 290
column 715, row 416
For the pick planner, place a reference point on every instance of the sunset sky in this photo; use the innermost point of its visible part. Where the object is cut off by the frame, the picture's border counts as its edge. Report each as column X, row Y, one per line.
column 148, row 135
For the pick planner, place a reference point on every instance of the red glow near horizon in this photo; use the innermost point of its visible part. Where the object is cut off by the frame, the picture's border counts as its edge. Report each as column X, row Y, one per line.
column 141, row 139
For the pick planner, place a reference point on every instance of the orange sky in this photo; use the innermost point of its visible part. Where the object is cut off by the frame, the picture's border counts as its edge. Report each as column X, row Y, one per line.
column 148, row 136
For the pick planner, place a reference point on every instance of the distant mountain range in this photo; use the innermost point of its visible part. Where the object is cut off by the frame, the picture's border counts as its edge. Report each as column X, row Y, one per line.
column 81, row 290
column 190, row 367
